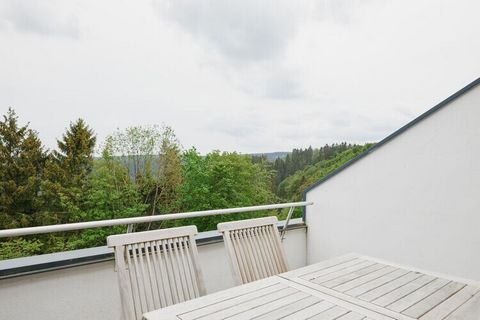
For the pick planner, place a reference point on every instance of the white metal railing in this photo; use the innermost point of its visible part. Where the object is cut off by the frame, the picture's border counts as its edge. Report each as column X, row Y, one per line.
column 136, row 220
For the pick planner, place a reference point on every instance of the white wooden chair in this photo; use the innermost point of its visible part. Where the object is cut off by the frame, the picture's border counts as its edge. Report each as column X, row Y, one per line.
column 156, row 269
column 254, row 248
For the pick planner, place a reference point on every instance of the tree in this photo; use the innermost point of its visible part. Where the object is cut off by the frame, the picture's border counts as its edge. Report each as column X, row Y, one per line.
column 170, row 172
column 111, row 194
column 67, row 171
column 152, row 157
column 194, row 192
column 223, row 180
column 292, row 187
column 137, row 148
column 75, row 152
column 22, row 160
column 300, row 159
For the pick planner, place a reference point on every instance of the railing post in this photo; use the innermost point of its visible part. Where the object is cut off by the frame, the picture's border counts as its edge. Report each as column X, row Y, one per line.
column 289, row 216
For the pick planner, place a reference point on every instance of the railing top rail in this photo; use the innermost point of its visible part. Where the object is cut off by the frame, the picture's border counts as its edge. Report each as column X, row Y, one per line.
column 135, row 220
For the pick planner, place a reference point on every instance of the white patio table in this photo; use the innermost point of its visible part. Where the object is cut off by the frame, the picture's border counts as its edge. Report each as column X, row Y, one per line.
column 350, row 287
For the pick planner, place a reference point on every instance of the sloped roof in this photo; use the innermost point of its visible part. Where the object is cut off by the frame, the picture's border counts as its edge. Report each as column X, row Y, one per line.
column 394, row 134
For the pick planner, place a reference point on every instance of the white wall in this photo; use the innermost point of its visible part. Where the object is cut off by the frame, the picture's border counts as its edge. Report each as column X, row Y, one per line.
column 414, row 201
column 91, row 291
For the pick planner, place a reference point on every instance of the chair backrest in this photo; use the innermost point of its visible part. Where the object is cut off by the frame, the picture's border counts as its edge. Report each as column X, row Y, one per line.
column 156, row 269
column 254, row 248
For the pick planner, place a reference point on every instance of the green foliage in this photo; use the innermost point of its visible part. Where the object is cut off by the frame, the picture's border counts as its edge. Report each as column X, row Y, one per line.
column 153, row 160
column 169, row 174
column 19, row 247
column 137, row 148
column 110, row 194
column 21, row 164
column 141, row 171
column 67, row 170
column 90, row 238
column 222, row 180
column 299, row 159
column 292, row 187
column 75, row 152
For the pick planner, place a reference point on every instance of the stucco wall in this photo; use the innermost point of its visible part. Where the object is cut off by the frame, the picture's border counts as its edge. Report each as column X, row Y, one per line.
column 414, row 201
column 91, row 291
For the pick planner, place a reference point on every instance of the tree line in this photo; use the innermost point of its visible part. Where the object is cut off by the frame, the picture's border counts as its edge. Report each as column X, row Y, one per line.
column 300, row 159
column 138, row 171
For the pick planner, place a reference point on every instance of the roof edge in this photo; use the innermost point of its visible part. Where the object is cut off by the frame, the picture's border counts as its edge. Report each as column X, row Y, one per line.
column 393, row 135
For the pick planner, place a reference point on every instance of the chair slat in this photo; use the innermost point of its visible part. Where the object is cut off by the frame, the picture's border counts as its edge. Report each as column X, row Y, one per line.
column 181, row 270
column 160, row 302
column 250, row 258
column 198, row 271
column 234, row 259
column 169, row 275
column 156, row 269
column 243, row 257
column 253, row 254
column 164, row 285
column 267, row 259
column 191, row 278
column 151, row 274
column 191, row 270
column 128, row 308
column 174, row 270
column 146, row 276
column 140, row 275
column 280, row 252
column 254, row 248
column 135, row 291
column 255, row 244
column 271, row 250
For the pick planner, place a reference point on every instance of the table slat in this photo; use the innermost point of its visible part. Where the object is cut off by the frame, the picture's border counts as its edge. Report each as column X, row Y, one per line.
column 310, row 311
column 352, row 275
column 433, row 300
column 390, row 286
column 451, row 304
column 417, row 295
column 351, row 287
column 248, row 305
column 375, row 283
column 291, row 307
column 330, row 314
column 403, row 291
column 396, row 291
column 364, row 279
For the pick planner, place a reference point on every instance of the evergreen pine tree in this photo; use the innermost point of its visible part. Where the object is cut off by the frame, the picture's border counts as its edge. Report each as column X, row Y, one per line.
column 67, row 170
column 75, row 154
column 22, row 160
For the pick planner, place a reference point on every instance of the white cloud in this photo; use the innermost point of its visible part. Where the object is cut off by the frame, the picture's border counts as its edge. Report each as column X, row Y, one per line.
column 46, row 17
column 247, row 37
column 242, row 31
column 235, row 75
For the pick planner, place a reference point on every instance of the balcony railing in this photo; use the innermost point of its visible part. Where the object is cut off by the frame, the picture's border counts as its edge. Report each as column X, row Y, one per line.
column 147, row 219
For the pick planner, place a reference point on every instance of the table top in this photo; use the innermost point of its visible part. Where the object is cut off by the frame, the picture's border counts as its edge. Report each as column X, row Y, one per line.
column 350, row 287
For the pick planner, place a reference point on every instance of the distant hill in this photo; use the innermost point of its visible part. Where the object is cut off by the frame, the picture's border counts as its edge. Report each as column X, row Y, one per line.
column 271, row 156
column 292, row 187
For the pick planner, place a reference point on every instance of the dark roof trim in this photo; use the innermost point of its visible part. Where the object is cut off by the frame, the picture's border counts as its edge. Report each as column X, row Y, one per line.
column 393, row 135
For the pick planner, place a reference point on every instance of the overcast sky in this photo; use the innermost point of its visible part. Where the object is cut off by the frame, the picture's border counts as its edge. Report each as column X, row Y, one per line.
column 246, row 75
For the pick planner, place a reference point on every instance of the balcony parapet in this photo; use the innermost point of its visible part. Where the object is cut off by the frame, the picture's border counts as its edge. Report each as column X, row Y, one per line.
column 68, row 259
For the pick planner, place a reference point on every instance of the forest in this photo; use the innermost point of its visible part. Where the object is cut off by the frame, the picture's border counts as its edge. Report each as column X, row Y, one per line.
column 137, row 171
